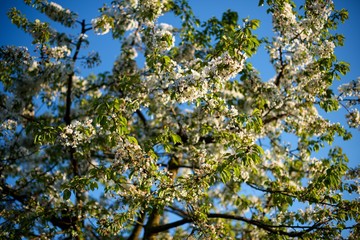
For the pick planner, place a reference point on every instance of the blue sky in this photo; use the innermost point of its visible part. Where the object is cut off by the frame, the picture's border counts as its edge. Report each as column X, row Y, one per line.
column 204, row 9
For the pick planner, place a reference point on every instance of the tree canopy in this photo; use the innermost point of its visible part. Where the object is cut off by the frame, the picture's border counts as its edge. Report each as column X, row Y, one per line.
column 182, row 138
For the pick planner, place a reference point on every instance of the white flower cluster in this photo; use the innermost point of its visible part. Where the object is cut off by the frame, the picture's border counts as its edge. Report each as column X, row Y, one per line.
column 128, row 152
column 83, row 36
column 298, row 40
column 194, row 81
column 164, row 37
column 318, row 11
column 56, row 6
column 151, row 10
column 17, row 55
column 101, row 25
column 133, row 3
column 77, row 133
column 244, row 175
column 354, row 118
column 33, row 66
column 326, row 49
column 350, row 92
column 24, row 85
column 224, row 67
column 58, row 52
column 118, row 17
column 8, row 133
column 351, row 89
column 130, row 157
column 134, row 38
column 294, row 52
column 57, row 13
column 33, row 29
column 308, row 28
column 285, row 19
column 8, row 124
column 123, row 16
column 186, row 53
column 125, row 63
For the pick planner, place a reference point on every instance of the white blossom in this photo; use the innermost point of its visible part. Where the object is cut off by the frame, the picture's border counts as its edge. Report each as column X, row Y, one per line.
column 351, row 89
column 77, row 133
column 59, row 52
column 56, row 6
column 33, row 66
column 100, row 25
column 354, row 118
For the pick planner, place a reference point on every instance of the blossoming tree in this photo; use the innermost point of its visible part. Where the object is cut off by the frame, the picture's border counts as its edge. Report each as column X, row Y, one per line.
column 188, row 143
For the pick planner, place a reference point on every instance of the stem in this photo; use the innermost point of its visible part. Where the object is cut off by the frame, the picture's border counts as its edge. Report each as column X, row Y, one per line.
column 77, row 225
column 281, row 73
column 154, row 218
column 67, row 117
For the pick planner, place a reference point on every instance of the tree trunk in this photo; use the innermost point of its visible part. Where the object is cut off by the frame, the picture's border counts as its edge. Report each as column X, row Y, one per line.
column 154, row 218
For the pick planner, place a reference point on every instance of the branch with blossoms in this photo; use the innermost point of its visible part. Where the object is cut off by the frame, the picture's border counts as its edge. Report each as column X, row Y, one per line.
column 340, row 205
column 62, row 222
column 273, row 229
column 76, row 223
column 348, row 98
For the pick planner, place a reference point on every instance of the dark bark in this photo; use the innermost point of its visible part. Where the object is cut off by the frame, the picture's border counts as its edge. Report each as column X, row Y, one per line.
column 154, row 218
column 135, row 234
column 77, row 223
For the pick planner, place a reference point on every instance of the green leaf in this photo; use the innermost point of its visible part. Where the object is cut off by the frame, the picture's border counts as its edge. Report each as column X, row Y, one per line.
column 167, row 147
column 93, row 185
column 259, row 149
column 175, row 138
column 66, row 194
column 152, row 154
column 329, row 105
column 117, row 104
column 165, row 60
column 254, row 24
column 132, row 140
column 225, row 176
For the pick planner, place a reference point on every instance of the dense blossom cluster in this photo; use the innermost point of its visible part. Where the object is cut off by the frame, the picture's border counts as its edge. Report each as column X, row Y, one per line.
column 354, row 118
column 59, row 52
column 350, row 92
column 105, row 26
column 163, row 37
column 57, row 13
column 351, row 89
column 123, row 16
column 8, row 132
column 77, row 133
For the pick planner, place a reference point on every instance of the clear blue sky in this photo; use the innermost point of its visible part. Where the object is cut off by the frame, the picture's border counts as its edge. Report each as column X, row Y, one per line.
column 204, row 9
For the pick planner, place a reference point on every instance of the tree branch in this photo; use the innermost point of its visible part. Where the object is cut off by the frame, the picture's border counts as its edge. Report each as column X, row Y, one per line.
column 142, row 117
column 281, row 73
column 267, row 227
column 274, row 229
column 67, row 118
column 138, row 227
column 267, row 190
column 168, row 226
